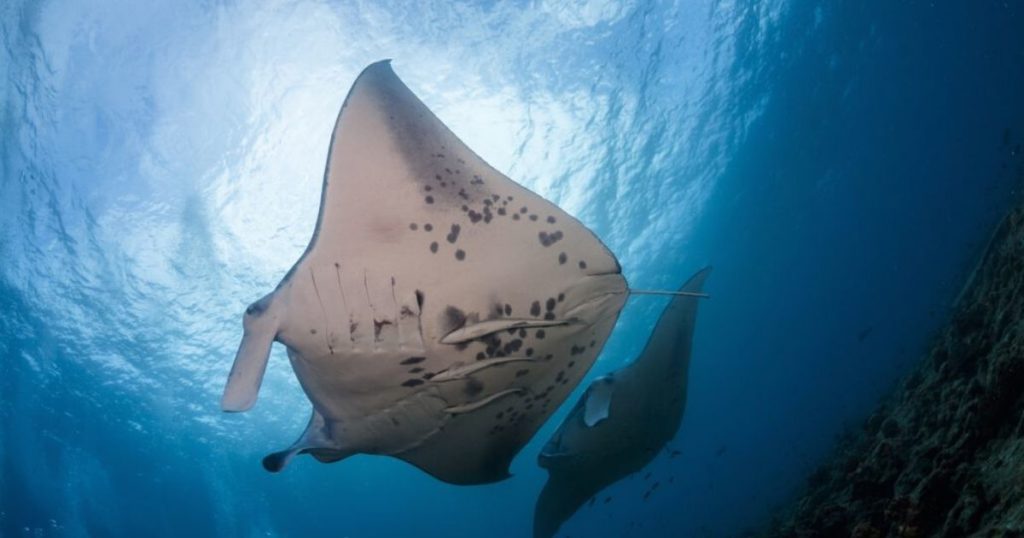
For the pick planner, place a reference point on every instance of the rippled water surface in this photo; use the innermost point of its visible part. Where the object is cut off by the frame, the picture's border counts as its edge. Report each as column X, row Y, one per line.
column 839, row 163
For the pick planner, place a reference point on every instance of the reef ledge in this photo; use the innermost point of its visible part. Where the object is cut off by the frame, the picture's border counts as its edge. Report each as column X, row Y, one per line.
column 943, row 455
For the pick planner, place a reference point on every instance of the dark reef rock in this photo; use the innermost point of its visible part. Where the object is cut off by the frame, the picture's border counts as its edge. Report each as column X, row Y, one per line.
column 943, row 456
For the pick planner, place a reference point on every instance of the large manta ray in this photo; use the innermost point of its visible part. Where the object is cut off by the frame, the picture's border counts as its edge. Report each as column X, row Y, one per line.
column 441, row 311
column 623, row 419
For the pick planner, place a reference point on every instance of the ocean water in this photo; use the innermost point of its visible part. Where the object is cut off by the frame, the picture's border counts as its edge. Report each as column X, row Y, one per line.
column 840, row 163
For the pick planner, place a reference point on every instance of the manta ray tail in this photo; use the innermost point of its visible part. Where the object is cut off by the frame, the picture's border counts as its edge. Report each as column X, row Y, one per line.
column 692, row 287
column 666, row 292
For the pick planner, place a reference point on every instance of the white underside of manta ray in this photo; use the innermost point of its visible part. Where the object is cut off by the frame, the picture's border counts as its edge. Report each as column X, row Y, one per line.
column 441, row 311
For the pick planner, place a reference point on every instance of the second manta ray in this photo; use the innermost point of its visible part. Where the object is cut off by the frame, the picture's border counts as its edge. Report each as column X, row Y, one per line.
column 623, row 419
column 441, row 311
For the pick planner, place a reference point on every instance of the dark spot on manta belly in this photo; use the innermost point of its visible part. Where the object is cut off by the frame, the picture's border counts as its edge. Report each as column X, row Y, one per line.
column 413, row 360
column 583, row 264
column 453, row 318
column 535, row 309
column 428, row 227
column 429, row 199
column 473, row 387
column 453, row 235
column 259, row 307
column 550, row 304
column 412, row 382
column 512, row 346
column 433, row 247
column 548, row 239
column 562, row 258
column 460, row 254
column 378, row 326
column 413, row 226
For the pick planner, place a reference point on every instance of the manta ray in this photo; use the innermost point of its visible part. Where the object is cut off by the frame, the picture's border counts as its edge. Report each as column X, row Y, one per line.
column 623, row 419
column 441, row 311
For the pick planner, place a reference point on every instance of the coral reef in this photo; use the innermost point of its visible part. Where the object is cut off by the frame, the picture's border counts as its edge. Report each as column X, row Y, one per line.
column 944, row 453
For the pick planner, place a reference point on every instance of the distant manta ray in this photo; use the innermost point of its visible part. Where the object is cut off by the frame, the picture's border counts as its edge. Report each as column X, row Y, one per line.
column 441, row 312
column 624, row 418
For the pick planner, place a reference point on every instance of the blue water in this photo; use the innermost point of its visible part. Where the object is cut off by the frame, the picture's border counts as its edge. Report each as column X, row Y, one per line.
column 839, row 162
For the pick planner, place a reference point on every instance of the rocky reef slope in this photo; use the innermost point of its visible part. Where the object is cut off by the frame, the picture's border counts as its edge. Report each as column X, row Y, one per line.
column 943, row 456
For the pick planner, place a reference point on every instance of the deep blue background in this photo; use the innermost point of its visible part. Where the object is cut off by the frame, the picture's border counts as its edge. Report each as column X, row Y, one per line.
column 840, row 164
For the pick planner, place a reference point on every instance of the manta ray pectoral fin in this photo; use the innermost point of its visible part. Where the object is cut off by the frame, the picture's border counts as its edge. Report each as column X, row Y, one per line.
column 598, row 401
column 479, row 330
column 260, row 324
column 473, row 406
column 276, row 461
column 316, row 439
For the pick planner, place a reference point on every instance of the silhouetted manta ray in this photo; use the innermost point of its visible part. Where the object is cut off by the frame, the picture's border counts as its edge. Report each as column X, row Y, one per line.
column 622, row 420
column 441, row 311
